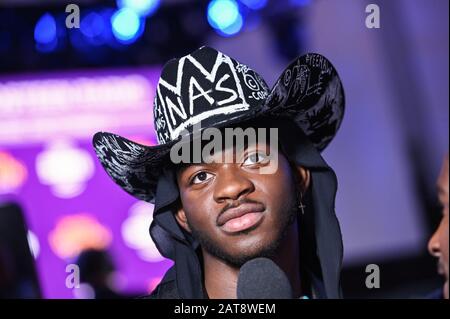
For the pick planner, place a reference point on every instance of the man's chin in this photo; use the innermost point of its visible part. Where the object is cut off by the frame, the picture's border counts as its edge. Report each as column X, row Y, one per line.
column 237, row 258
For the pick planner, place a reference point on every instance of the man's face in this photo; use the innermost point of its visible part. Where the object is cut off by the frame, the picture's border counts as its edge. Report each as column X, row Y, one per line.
column 235, row 212
column 438, row 244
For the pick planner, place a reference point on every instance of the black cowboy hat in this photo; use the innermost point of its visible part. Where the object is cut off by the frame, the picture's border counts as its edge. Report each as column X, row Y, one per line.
column 208, row 86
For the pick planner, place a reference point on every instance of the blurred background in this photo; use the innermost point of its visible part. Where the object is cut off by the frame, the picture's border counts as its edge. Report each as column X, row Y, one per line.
column 58, row 86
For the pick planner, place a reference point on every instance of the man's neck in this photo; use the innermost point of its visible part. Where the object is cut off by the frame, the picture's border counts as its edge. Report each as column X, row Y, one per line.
column 221, row 278
column 288, row 259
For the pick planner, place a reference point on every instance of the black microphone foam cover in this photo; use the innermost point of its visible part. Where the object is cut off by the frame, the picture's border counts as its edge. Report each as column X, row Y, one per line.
column 261, row 278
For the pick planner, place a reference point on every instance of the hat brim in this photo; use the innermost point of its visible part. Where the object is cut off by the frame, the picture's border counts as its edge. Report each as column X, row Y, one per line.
column 309, row 92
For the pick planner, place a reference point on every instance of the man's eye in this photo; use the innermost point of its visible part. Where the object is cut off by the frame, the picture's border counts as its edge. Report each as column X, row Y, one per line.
column 201, row 177
column 256, row 158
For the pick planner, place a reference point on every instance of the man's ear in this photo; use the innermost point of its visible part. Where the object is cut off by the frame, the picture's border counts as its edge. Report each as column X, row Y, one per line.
column 304, row 178
column 180, row 216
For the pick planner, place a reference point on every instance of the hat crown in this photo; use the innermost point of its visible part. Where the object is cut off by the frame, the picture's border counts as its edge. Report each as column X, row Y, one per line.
column 206, row 86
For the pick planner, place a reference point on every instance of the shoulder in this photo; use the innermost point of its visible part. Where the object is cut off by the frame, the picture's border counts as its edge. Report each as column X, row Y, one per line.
column 165, row 290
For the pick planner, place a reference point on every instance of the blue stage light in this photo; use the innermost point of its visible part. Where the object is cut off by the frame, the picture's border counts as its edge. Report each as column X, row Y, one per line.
column 92, row 25
column 126, row 25
column 45, row 30
column 232, row 29
column 94, row 28
column 141, row 7
column 223, row 14
column 255, row 4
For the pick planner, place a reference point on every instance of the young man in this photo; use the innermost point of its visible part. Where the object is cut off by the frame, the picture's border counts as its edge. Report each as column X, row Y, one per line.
column 212, row 216
column 438, row 243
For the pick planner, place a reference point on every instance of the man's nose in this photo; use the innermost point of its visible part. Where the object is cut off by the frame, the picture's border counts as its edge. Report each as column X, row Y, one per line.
column 434, row 247
column 231, row 184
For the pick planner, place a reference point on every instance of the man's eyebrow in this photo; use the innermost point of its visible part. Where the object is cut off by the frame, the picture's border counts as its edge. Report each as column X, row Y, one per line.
column 180, row 168
column 184, row 166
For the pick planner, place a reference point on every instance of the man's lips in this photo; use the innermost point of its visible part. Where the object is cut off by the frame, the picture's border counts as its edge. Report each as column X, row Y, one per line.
column 241, row 217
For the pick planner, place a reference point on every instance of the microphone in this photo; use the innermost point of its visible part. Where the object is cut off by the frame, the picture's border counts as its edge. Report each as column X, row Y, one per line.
column 261, row 278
